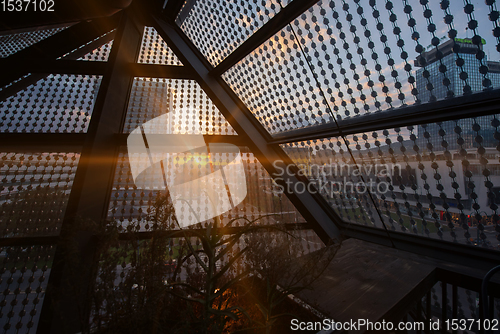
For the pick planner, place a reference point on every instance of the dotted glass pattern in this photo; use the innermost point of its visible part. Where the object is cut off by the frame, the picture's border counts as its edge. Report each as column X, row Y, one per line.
column 341, row 59
column 154, row 50
column 34, row 191
column 189, row 108
column 25, row 273
column 217, row 28
column 99, row 54
column 132, row 204
column 58, row 103
column 126, row 263
column 439, row 180
column 10, row 44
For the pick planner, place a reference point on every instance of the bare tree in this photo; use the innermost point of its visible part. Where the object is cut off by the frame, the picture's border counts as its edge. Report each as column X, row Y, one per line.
column 208, row 291
column 284, row 265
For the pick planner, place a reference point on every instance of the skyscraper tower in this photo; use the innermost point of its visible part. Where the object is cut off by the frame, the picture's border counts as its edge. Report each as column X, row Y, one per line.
column 455, row 63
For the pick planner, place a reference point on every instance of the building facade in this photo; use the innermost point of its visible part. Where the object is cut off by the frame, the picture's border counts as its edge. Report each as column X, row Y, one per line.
column 431, row 80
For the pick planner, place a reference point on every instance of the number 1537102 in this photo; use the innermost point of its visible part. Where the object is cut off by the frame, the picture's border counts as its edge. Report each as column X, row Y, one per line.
column 27, row 5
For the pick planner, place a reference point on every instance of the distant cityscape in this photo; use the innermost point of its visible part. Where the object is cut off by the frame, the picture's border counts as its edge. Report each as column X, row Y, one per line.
column 438, row 167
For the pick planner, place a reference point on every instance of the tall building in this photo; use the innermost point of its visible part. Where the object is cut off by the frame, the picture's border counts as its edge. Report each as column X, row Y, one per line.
column 431, row 79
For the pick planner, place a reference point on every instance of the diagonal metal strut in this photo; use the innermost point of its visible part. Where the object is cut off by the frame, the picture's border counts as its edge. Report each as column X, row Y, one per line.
column 312, row 206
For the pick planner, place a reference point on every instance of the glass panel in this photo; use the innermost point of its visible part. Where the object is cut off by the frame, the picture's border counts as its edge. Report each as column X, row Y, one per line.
column 437, row 180
column 341, row 59
column 217, row 28
column 10, row 44
column 58, row 103
column 189, row 109
column 34, row 191
column 15, row 81
column 133, row 203
column 25, row 273
column 99, row 54
column 154, row 50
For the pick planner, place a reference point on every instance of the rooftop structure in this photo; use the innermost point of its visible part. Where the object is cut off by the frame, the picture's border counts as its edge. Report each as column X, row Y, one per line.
column 330, row 120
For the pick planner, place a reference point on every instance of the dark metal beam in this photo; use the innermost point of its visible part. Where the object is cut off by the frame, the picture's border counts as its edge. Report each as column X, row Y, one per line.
column 67, row 305
column 173, row 7
column 64, row 66
column 14, row 30
column 89, row 47
column 448, row 252
column 58, row 45
column 184, row 12
column 161, row 71
column 469, row 280
column 273, row 26
column 121, row 138
column 33, row 78
column 29, row 241
column 197, row 231
column 69, row 142
column 19, row 85
column 41, row 142
column 479, row 104
column 54, row 240
column 83, row 67
column 313, row 207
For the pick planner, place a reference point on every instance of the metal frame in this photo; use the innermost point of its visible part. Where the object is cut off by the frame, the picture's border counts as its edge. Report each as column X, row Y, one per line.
column 64, row 66
column 41, row 142
column 274, row 25
column 479, row 104
column 268, row 151
column 90, row 193
column 444, row 251
column 89, row 197
column 198, row 231
column 173, row 7
column 67, row 142
column 313, row 207
column 57, row 45
column 40, row 69
column 33, row 78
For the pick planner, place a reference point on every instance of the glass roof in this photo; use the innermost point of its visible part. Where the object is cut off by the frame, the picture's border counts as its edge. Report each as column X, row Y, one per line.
column 342, row 59
column 314, row 81
column 12, row 43
column 218, row 27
